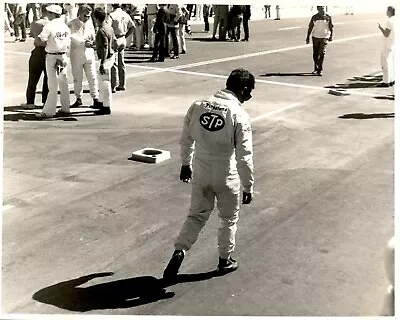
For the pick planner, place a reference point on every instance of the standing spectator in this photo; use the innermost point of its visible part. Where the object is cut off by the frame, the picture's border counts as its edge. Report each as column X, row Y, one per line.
column 190, row 9
column 199, row 12
column 82, row 55
column 8, row 20
column 267, row 9
column 246, row 18
column 278, row 12
column 71, row 12
column 19, row 22
column 174, row 13
column 105, row 39
column 57, row 36
column 123, row 27
column 206, row 14
column 183, row 21
column 137, row 15
column 221, row 16
column 35, row 7
column 321, row 28
column 37, row 63
column 216, row 132
column 236, row 18
column 151, row 20
column 387, row 54
column 160, row 31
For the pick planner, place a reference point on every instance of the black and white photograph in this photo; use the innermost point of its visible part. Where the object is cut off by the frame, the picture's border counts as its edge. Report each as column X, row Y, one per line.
column 229, row 159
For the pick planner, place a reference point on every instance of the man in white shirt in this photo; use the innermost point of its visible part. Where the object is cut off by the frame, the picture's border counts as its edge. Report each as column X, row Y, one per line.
column 387, row 54
column 82, row 55
column 57, row 36
column 123, row 26
column 321, row 28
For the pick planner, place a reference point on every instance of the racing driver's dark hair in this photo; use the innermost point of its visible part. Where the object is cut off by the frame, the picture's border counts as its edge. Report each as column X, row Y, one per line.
column 239, row 79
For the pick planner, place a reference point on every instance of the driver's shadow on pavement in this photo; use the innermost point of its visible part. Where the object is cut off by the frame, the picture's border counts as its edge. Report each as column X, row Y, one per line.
column 125, row 293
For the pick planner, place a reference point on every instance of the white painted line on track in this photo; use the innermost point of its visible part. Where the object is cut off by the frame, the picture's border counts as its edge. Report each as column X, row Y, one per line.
column 271, row 113
column 154, row 70
column 279, row 83
column 289, row 28
column 250, row 55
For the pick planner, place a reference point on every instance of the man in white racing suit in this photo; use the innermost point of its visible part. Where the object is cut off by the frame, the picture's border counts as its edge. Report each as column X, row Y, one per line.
column 217, row 141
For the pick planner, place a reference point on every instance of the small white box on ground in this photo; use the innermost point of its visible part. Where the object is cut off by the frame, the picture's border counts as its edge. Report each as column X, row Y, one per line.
column 151, row 155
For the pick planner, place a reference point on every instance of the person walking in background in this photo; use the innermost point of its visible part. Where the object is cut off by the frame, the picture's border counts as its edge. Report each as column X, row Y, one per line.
column 37, row 62
column 123, row 26
column 160, row 31
column 216, row 142
column 19, row 22
column 246, row 18
column 57, row 36
column 174, row 13
column 82, row 55
column 267, row 11
column 387, row 53
column 206, row 14
column 321, row 29
column 105, row 39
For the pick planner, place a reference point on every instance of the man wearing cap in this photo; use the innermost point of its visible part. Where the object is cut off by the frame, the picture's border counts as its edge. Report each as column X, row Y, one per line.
column 321, row 29
column 37, row 62
column 82, row 55
column 57, row 36
column 123, row 26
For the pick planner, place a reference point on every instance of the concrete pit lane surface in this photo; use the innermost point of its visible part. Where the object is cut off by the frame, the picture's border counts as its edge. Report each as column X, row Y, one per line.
column 82, row 223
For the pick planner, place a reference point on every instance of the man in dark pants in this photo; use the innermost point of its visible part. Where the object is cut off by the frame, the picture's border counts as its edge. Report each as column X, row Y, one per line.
column 321, row 28
column 246, row 18
column 160, row 35
column 37, row 62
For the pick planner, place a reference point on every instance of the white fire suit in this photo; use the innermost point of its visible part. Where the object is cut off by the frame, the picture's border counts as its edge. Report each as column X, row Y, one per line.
column 217, row 134
column 83, row 58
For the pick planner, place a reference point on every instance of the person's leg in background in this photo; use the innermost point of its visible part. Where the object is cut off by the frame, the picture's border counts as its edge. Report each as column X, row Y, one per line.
column 246, row 29
column 121, row 70
column 182, row 40
column 50, row 107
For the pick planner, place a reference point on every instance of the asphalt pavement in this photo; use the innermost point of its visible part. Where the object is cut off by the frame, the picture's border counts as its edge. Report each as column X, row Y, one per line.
column 88, row 231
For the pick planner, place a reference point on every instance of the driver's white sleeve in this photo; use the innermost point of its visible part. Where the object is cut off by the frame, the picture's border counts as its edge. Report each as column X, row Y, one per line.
column 187, row 142
column 244, row 152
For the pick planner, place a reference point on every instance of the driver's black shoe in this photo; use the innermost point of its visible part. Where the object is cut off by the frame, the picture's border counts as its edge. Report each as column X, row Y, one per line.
column 174, row 264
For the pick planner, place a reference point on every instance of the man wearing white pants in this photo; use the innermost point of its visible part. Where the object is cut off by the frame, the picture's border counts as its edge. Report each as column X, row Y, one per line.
column 82, row 55
column 105, row 39
column 57, row 36
column 217, row 135
column 387, row 54
column 151, row 20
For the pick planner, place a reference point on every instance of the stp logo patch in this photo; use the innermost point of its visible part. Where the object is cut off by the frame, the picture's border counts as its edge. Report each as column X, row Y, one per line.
column 212, row 121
